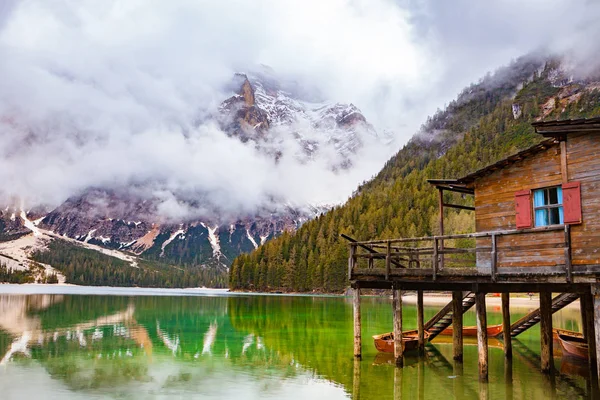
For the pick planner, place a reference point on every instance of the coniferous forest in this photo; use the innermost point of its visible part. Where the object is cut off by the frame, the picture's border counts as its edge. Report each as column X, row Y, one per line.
column 83, row 266
column 477, row 129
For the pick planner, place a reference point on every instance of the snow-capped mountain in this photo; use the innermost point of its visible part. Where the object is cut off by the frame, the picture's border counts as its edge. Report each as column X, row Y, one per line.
column 279, row 118
column 268, row 112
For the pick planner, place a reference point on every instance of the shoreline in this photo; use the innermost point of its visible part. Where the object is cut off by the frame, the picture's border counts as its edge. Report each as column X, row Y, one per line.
column 429, row 299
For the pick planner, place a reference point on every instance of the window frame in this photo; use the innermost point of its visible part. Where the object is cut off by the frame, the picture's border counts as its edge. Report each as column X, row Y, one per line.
column 547, row 207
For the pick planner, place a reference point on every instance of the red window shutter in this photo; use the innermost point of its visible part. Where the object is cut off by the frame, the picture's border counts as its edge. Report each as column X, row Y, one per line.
column 523, row 209
column 572, row 202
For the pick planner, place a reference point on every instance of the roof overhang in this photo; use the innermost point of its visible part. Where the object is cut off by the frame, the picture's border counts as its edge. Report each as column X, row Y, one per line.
column 559, row 129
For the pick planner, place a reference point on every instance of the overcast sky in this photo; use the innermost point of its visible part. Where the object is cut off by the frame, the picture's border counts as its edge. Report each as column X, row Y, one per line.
column 96, row 92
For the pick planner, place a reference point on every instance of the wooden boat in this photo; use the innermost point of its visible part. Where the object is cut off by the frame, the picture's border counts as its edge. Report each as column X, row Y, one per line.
column 492, row 330
column 557, row 331
column 385, row 341
column 573, row 346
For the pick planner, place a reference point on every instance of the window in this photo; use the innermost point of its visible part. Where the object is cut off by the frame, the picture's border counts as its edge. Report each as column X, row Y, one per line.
column 548, row 206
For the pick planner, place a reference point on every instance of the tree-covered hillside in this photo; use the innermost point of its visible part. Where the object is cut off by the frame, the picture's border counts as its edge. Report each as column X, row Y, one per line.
column 488, row 121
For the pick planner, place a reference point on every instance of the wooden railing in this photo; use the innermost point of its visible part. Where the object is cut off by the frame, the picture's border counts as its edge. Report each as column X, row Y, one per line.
column 437, row 254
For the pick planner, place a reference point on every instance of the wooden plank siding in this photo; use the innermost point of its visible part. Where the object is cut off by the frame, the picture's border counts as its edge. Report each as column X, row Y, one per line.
column 495, row 211
column 495, row 206
column 583, row 164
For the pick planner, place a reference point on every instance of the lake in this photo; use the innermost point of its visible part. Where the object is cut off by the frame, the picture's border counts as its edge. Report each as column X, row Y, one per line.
column 214, row 345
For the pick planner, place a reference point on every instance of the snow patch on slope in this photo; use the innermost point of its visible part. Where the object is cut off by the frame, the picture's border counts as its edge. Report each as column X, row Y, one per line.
column 169, row 240
column 263, row 239
column 213, row 239
column 251, row 239
column 29, row 224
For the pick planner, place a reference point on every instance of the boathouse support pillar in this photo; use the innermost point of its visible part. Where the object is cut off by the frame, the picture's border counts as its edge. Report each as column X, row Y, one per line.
column 398, row 345
column 357, row 327
column 482, row 337
column 457, row 325
column 586, row 303
column 596, row 331
column 420, row 323
column 506, row 338
column 547, row 361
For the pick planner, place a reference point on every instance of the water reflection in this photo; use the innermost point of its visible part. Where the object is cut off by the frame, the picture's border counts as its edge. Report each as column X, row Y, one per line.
column 250, row 347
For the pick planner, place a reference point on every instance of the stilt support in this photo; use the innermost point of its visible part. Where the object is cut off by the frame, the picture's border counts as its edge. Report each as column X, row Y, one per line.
column 596, row 332
column 547, row 361
column 398, row 345
column 457, row 325
column 356, row 380
column 482, row 337
column 420, row 324
column 506, row 326
column 357, row 329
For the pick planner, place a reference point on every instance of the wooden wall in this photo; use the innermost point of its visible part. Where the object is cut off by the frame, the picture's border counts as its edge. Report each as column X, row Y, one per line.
column 495, row 210
column 583, row 164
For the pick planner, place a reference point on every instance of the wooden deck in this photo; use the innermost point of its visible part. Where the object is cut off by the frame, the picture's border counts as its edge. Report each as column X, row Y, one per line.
column 457, row 262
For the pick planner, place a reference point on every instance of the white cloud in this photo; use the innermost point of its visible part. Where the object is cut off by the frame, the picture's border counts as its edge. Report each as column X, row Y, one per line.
column 110, row 92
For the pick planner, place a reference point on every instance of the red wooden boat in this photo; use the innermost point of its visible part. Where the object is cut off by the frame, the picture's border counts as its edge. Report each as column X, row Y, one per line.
column 492, row 331
column 410, row 339
column 573, row 346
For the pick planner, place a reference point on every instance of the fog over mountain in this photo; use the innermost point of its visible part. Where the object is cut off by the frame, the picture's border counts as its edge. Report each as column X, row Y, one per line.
column 123, row 93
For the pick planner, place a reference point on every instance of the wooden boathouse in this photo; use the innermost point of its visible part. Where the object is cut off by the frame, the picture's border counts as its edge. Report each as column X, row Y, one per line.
column 537, row 222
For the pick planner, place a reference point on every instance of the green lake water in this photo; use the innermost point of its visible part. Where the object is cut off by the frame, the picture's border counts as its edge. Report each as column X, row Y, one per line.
column 248, row 347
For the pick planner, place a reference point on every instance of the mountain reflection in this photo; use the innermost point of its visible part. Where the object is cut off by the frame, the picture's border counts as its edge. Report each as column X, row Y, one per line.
column 245, row 347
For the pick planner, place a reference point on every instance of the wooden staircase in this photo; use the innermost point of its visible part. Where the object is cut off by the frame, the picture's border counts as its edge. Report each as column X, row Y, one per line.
column 443, row 318
column 534, row 317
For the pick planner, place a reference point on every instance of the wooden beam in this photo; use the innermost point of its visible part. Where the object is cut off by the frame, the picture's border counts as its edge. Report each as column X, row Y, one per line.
column 568, row 264
column 457, row 189
column 460, row 207
column 563, row 162
column 351, row 260
column 398, row 345
column 482, row 337
column 388, row 260
column 506, row 326
column 357, row 327
column 546, row 357
column 596, row 295
column 586, row 304
column 363, row 245
column 494, row 258
column 457, row 325
column 420, row 325
column 441, row 242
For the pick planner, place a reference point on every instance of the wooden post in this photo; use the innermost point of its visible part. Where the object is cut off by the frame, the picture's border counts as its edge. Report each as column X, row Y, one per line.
column 586, row 303
column 494, row 258
column 457, row 325
column 568, row 264
column 357, row 328
column 459, row 380
column 351, row 260
column 398, row 383
column 546, row 356
column 563, row 161
column 398, row 345
column 388, row 260
column 596, row 331
column 421, row 378
column 508, row 379
column 441, row 197
column 436, row 259
column 506, row 326
column 482, row 338
column 420, row 324
column 356, row 380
